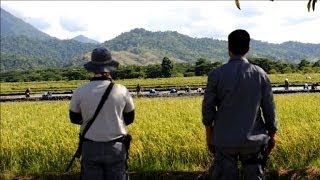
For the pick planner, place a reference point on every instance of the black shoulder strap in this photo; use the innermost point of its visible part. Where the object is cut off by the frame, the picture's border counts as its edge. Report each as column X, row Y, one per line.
column 102, row 101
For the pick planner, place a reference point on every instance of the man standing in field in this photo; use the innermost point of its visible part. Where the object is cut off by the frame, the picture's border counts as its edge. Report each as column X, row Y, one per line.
column 236, row 96
column 104, row 153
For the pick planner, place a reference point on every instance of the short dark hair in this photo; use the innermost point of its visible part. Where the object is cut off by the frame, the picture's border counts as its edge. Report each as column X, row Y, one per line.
column 238, row 42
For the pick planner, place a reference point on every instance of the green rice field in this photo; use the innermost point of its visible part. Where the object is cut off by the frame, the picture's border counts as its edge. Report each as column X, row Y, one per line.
column 37, row 137
column 60, row 86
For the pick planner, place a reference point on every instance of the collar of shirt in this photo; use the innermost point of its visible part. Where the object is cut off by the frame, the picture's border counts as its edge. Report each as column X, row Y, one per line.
column 238, row 58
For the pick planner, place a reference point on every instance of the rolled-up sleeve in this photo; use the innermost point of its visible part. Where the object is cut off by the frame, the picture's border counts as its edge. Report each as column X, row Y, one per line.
column 75, row 103
column 129, row 102
column 268, row 106
column 209, row 102
column 74, row 109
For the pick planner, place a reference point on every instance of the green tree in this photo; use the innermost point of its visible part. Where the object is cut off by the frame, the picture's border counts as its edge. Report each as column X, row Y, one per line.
column 264, row 63
column 287, row 70
column 273, row 71
column 153, row 71
column 129, row 72
column 202, row 67
column 33, row 76
column 166, row 67
column 316, row 64
column 75, row 75
column 304, row 63
column 179, row 69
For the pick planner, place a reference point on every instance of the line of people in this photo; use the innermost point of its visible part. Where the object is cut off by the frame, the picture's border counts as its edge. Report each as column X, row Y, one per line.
column 187, row 89
column 314, row 86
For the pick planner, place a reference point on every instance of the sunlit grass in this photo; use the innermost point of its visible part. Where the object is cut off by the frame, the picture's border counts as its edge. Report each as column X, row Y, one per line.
column 168, row 135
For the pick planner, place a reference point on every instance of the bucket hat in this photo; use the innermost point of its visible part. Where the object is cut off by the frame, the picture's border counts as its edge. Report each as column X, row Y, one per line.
column 101, row 61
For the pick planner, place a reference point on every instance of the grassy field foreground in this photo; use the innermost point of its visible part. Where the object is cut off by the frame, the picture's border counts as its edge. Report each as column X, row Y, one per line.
column 37, row 137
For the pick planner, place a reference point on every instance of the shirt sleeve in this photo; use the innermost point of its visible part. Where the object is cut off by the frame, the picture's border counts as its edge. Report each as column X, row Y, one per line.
column 129, row 102
column 268, row 106
column 75, row 102
column 209, row 102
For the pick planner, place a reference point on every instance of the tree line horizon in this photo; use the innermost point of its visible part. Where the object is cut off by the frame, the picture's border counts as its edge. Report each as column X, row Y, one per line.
column 166, row 69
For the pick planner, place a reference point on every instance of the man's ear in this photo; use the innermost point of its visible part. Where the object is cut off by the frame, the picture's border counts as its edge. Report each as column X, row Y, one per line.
column 230, row 52
column 247, row 50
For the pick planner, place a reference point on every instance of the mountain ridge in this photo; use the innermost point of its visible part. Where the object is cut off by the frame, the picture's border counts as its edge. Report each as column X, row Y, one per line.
column 20, row 50
column 11, row 25
column 84, row 39
column 190, row 49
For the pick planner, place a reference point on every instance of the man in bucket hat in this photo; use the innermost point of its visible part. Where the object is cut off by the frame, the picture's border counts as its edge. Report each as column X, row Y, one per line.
column 104, row 155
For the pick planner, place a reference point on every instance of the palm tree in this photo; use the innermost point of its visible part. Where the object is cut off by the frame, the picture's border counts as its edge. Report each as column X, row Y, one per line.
column 311, row 3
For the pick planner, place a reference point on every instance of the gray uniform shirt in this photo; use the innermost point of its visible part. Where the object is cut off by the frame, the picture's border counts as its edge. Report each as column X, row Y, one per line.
column 236, row 96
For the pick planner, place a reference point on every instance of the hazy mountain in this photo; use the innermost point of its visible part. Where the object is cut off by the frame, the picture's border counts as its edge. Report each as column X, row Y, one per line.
column 41, row 52
column 24, row 47
column 85, row 39
column 11, row 25
column 21, row 63
column 288, row 51
column 143, row 44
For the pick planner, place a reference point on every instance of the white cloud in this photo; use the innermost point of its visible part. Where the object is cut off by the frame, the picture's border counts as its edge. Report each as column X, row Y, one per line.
column 276, row 21
column 73, row 24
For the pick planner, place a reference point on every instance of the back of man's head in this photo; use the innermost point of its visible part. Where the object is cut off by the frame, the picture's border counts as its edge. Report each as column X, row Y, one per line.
column 238, row 42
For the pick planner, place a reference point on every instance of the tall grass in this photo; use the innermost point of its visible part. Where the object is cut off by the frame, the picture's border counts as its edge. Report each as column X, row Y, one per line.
column 168, row 135
column 298, row 140
column 35, row 137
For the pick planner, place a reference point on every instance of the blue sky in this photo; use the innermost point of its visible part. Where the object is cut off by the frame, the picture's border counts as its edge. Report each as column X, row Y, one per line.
column 274, row 22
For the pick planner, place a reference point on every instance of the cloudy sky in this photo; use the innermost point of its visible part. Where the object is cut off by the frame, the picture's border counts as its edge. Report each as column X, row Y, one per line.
column 274, row 22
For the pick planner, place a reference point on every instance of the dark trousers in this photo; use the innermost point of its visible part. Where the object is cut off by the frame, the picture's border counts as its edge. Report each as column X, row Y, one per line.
column 225, row 165
column 103, row 161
